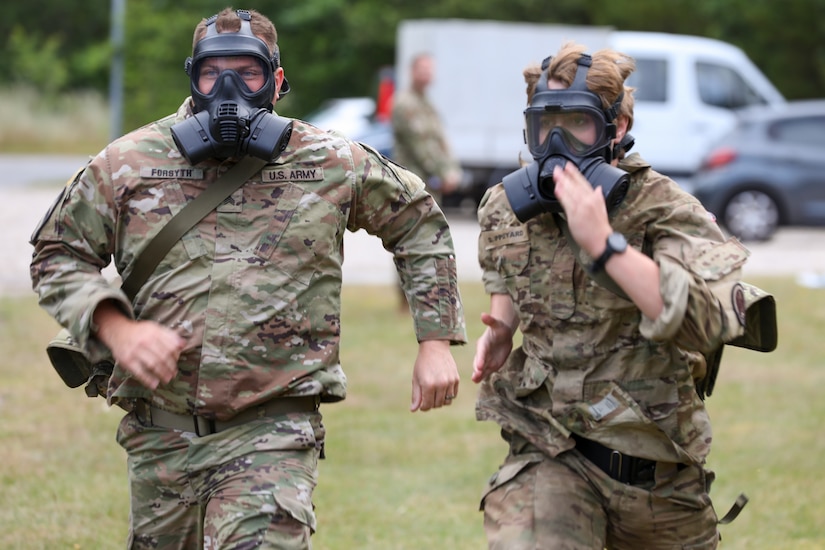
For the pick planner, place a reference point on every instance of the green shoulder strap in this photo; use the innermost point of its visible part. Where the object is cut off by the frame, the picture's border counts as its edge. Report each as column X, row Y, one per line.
column 184, row 220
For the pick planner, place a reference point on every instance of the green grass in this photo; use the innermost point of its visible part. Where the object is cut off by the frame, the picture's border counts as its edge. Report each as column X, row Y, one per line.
column 399, row 480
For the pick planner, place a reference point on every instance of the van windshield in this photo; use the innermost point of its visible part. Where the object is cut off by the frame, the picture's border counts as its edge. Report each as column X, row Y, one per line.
column 723, row 86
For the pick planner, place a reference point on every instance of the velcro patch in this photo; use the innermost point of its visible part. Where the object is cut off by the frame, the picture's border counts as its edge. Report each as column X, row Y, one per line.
column 270, row 175
column 502, row 237
column 171, row 173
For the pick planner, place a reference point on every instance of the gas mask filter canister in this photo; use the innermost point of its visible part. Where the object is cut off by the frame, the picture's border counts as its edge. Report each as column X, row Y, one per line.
column 231, row 120
column 563, row 126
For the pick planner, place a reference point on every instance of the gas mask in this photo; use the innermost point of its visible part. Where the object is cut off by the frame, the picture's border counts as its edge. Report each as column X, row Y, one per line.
column 231, row 120
column 564, row 126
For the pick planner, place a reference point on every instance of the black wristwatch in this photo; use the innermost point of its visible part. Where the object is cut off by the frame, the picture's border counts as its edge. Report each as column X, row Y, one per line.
column 616, row 244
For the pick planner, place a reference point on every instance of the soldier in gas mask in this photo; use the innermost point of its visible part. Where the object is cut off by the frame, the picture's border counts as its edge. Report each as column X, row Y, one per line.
column 621, row 285
column 223, row 355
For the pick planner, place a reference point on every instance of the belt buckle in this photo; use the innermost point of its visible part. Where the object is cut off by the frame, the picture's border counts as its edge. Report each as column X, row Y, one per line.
column 141, row 410
column 203, row 426
column 615, row 465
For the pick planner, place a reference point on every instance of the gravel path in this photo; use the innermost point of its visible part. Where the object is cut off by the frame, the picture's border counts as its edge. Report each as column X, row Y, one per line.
column 798, row 251
column 366, row 262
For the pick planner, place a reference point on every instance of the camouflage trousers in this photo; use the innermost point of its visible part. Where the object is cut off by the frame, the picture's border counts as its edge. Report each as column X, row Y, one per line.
column 567, row 503
column 249, row 486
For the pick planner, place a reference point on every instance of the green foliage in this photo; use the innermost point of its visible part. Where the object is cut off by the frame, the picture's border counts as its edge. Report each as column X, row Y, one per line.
column 90, row 66
column 156, row 44
column 335, row 48
column 73, row 25
column 36, row 61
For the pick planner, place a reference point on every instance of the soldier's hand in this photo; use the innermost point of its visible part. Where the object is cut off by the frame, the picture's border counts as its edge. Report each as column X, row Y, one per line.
column 492, row 348
column 450, row 183
column 435, row 376
column 149, row 352
column 584, row 208
column 145, row 349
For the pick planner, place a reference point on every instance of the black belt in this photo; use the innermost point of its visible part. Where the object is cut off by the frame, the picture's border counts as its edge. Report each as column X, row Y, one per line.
column 205, row 426
column 621, row 467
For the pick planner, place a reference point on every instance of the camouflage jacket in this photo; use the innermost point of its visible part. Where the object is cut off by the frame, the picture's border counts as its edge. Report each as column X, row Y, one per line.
column 419, row 141
column 256, row 285
column 590, row 363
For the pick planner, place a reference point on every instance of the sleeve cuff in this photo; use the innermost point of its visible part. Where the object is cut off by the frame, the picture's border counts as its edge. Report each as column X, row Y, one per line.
column 94, row 348
column 674, row 285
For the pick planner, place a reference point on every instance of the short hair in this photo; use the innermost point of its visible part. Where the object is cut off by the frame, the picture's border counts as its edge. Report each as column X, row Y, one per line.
column 605, row 78
column 228, row 21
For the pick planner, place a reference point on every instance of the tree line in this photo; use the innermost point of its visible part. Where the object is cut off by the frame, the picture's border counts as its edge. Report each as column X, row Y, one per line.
column 336, row 48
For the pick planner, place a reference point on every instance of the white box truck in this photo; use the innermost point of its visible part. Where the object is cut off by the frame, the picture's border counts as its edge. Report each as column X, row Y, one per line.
column 688, row 89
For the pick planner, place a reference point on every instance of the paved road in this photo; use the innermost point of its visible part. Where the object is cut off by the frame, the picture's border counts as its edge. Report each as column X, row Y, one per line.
column 29, row 184
column 34, row 170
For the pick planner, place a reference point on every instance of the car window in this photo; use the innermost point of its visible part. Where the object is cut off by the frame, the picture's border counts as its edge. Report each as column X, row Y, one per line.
column 650, row 80
column 809, row 131
column 722, row 86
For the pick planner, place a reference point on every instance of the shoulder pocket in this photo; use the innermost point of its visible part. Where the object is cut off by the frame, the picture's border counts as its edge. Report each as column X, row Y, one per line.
column 70, row 183
column 716, row 262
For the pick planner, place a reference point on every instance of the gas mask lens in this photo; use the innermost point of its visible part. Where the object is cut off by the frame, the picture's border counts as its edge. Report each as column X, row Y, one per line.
column 251, row 73
column 581, row 130
column 233, row 103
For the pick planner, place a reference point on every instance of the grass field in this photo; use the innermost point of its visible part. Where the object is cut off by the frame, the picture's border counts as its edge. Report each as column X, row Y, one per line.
column 397, row 480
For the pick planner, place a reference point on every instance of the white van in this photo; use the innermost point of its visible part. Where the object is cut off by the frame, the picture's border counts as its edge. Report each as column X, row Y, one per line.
column 687, row 88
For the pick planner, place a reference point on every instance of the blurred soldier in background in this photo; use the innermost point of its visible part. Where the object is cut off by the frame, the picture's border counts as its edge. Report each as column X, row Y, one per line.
column 419, row 141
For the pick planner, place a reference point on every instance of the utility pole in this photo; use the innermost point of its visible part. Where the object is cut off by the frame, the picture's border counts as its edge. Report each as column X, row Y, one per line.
column 118, row 9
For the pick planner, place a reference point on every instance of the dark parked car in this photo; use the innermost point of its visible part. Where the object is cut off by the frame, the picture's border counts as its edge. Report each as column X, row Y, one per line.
column 768, row 172
column 355, row 118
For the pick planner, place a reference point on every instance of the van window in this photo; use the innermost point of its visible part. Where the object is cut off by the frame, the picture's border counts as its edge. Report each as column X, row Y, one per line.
column 650, row 80
column 722, row 86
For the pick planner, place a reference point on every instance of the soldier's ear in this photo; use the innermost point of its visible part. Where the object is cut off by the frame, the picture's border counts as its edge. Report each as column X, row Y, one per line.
column 281, row 84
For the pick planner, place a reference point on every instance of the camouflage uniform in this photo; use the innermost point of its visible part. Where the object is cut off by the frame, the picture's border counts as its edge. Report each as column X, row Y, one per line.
column 419, row 141
column 592, row 365
column 255, row 287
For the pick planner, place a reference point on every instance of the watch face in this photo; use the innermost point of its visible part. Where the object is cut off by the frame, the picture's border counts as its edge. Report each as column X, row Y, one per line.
column 617, row 242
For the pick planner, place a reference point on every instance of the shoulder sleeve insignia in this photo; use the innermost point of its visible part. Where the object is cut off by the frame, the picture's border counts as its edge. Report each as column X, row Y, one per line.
column 738, row 302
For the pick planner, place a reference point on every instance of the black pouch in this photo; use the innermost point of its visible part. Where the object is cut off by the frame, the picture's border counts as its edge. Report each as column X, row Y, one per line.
column 74, row 367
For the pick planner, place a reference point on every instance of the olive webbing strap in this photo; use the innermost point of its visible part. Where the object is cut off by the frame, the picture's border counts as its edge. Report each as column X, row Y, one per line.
column 737, row 506
column 184, row 220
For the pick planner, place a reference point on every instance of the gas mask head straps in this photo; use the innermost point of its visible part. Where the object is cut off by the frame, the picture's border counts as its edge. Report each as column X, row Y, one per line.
column 231, row 44
column 567, row 125
column 232, row 120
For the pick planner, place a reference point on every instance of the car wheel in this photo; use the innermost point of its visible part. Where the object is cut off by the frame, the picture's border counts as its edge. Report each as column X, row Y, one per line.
column 751, row 215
